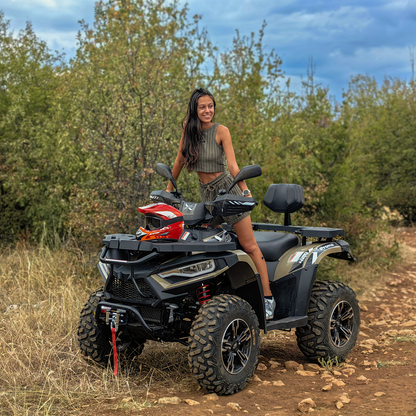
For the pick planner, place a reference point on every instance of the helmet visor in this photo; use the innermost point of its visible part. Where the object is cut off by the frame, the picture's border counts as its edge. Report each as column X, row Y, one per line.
column 153, row 222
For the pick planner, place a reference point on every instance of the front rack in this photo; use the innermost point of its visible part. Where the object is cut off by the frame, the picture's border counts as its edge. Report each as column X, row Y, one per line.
column 130, row 243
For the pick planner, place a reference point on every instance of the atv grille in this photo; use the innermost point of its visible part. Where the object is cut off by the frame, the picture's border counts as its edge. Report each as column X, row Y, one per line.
column 126, row 290
column 151, row 314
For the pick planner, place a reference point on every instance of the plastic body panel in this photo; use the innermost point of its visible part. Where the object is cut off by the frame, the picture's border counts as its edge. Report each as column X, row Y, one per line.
column 291, row 273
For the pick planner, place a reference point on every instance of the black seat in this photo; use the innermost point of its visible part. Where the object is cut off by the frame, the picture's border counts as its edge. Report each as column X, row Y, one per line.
column 273, row 245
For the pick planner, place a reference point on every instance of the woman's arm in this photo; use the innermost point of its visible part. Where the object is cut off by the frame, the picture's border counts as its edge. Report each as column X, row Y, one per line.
column 177, row 166
column 224, row 139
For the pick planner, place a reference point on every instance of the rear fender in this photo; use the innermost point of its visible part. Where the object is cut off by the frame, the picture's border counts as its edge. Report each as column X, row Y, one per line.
column 310, row 255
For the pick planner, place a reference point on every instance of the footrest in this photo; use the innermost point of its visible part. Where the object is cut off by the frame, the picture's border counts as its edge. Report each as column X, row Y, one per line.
column 287, row 323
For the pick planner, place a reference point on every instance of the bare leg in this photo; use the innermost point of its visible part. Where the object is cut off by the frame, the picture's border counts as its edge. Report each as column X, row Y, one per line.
column 246, row 238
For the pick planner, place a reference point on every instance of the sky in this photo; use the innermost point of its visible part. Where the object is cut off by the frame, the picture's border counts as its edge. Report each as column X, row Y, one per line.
column 344, row 37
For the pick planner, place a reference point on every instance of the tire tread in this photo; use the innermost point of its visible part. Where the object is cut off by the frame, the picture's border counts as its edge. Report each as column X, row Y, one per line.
column 313, row 338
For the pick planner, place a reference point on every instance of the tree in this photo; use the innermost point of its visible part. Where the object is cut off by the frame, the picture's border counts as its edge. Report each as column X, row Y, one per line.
column 132, row 73
column 382, row 123
column 32, row 180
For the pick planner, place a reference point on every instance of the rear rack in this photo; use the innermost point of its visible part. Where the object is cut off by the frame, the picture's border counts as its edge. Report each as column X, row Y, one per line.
column 319, row 232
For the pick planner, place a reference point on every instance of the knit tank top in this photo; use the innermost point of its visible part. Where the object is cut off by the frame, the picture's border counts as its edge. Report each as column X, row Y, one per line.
column 211, row 155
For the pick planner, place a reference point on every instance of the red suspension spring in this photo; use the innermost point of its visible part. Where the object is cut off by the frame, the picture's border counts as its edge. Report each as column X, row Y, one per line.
column 203, row 294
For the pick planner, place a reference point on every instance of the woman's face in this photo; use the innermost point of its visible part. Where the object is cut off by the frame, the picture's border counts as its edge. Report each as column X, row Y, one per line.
column 205, row 109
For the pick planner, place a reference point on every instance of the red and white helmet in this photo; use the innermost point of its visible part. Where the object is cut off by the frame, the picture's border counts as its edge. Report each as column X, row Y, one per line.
column 162, row 221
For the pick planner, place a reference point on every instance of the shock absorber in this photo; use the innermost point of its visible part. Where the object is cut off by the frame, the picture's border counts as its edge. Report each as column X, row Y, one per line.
column 203, row 293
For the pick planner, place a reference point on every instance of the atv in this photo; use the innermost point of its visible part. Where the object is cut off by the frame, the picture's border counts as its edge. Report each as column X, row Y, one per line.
column 180, row 280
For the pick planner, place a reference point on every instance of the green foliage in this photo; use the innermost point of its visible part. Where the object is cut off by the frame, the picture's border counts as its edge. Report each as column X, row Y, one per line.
column 329, row 364
column 381, row 128
column 79, row 142
column 32, row 157
column 131, row 75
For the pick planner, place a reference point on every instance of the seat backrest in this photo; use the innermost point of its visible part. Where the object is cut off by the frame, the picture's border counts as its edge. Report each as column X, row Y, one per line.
column 284, row 197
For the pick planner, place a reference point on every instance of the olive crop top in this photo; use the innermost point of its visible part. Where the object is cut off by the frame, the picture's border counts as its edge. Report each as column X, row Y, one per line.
column 211, row 155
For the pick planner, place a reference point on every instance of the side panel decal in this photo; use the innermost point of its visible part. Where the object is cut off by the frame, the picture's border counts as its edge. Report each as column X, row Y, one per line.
column 319, row 250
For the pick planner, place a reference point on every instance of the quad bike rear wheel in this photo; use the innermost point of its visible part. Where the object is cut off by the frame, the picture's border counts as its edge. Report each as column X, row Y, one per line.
column 224, row 344
column 94, row 338
column 333, row 322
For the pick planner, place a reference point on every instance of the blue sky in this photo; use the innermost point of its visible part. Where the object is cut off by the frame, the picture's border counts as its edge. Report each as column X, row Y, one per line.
column 374, row 37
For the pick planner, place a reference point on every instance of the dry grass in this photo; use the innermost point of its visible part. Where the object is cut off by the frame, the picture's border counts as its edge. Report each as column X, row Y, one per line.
column 409, row 338
column 42, row 370
column 382, row 364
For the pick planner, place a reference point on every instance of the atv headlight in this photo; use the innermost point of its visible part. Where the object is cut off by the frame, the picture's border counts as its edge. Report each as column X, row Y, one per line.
column 104, row 270
column 192, row 270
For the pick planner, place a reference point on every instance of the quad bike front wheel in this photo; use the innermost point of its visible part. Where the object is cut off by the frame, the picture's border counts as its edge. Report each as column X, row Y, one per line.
column 94, row 338
column 333, row 322
column 224, row 344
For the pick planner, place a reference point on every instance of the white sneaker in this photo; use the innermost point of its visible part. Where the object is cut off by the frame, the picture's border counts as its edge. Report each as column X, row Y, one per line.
column 270, row 306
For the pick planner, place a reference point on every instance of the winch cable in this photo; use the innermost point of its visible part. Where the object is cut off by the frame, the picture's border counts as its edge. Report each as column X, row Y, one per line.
column 113, row 332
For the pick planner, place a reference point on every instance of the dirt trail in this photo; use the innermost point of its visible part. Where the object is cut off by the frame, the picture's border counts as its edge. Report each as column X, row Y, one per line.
column 378, row 379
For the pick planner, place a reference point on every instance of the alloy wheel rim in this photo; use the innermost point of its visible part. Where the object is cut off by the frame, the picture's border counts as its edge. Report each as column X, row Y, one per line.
column 236, row 346
column 341, row 323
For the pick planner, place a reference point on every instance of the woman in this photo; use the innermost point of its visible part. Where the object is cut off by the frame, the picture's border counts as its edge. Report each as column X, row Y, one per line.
column 203, row 148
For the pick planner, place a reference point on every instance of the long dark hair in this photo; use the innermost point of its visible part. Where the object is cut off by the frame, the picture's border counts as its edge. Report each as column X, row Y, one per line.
column 192, row 130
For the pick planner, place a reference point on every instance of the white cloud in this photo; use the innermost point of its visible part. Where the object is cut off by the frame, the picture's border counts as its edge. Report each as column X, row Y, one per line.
column 370, row 60
column 58, row 40
column 46, row 3
column 396, row 5
column 300, row 25
column 62, row 6
column 361, row 36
